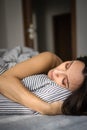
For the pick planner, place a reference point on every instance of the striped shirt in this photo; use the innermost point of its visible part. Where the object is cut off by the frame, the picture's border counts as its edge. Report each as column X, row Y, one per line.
column 45, row 88
column 41, row 86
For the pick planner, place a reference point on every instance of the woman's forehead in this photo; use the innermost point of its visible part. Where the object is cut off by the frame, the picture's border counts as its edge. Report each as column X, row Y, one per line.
column 76, row 69
column 75, row 72
column 78, row 65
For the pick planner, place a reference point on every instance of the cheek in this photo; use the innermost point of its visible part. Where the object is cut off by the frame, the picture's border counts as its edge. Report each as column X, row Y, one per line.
column 76, row 85
column 73, row 87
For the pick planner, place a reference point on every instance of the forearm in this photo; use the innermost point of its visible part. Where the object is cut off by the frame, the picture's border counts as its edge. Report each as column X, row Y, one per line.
column 12, row 88
column 41, row 63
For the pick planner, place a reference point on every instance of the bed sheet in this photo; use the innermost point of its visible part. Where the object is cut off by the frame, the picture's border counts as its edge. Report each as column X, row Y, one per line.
column 41, row 122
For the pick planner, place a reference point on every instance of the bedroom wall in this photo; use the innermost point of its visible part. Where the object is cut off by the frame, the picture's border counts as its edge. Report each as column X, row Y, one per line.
column 81, row 14
column 44, row 11
column 11, row 24
column 3, row 38
column 44, row 22
column 56, row 7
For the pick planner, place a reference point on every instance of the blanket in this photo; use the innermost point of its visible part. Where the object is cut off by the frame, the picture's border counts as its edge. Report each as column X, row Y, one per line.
column 8, row 59
column 16, row 55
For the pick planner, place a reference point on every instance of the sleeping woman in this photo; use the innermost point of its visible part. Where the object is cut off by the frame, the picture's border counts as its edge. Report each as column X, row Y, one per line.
column 47, row 85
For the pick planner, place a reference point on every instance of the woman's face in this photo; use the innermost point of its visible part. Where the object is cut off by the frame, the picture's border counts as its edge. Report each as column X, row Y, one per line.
column 68, row 74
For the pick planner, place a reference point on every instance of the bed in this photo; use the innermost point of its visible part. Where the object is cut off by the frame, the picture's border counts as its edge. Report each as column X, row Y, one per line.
column 31, row 121
column 41, row 122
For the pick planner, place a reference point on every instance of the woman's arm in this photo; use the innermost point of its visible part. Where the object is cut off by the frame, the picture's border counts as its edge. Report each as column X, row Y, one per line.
column 41, row 63
column 11, row 86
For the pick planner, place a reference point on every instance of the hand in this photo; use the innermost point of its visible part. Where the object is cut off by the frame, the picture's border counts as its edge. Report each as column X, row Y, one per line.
column 56, row 107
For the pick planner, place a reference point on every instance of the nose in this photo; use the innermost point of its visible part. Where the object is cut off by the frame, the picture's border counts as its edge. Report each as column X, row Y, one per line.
column 59, row 71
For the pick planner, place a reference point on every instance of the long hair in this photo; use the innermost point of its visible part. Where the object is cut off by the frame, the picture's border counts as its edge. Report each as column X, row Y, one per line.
column 76, row 103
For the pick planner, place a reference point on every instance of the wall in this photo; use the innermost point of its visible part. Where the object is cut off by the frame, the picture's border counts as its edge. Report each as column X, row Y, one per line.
column 44, row 11
column 12, row 24
column 3, row 37
column 53, row 8
column 39, row 11
column 81, row 14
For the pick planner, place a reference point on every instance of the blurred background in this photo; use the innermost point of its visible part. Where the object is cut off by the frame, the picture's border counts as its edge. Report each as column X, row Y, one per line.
column 59, row 26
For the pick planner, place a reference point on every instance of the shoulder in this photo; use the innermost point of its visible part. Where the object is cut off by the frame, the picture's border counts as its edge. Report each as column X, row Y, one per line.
column 52, row 57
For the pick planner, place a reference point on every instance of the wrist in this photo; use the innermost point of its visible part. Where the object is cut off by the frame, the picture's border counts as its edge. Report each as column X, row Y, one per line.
column 48, row 109
column 54, row 108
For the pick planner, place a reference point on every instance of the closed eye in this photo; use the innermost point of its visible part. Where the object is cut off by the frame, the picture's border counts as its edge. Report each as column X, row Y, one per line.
column 68, row 64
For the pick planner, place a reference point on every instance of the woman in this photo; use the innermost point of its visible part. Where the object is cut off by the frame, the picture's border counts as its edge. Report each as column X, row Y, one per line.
column 69, row 74
column 76, row 103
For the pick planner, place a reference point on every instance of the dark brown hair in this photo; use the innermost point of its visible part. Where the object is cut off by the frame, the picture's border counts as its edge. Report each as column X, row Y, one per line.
column 76, row 103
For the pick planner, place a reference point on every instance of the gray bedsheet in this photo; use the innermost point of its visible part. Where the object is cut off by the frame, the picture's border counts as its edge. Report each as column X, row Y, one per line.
column 16, row 55
column 41, row 122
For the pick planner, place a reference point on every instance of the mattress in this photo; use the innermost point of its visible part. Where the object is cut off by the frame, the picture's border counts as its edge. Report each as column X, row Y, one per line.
column 42, row 122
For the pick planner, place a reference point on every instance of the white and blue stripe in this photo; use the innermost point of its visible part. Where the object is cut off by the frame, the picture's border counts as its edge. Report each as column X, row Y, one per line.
column 40, row 85
column 45, row 88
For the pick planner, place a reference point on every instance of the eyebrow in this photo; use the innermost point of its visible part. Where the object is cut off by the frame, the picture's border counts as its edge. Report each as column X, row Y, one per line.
column 71, row 62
